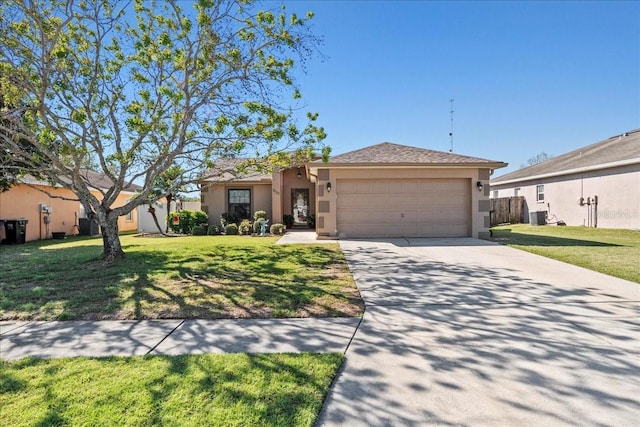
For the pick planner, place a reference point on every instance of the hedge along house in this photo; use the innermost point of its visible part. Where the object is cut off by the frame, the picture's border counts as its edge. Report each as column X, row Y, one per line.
column 596, row 186
column 54, row 209
column 385, row 190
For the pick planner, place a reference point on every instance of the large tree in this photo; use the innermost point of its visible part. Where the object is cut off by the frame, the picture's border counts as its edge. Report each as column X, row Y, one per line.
column 135, row 87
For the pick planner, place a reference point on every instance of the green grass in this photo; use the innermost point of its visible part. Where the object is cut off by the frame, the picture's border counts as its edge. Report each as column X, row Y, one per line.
column 197, row 390
column 202, row 277
column 611, row 251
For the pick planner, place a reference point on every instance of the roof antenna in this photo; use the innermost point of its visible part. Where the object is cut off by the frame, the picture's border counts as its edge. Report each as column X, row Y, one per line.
column 451, row 132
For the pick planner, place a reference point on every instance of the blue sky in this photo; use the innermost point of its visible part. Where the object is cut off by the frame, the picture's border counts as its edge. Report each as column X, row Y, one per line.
column 526, row 77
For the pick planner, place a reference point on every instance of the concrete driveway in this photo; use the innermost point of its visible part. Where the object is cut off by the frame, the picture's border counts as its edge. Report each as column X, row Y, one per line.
column 470, row 333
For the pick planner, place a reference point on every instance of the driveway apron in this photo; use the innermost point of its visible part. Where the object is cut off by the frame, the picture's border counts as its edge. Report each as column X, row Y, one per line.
column 470, row 333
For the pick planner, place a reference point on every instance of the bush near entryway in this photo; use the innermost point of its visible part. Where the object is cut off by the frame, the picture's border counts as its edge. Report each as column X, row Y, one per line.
column 231, row 230
column 277, row 229
column 245, row 227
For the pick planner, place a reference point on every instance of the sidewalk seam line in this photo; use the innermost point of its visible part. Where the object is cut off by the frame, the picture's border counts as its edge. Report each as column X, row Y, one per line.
column 355, row 331
column 166, row 336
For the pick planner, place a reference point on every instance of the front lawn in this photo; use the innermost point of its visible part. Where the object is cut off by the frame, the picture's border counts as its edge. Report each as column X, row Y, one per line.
column 197, row 390
column 611, row 251
column 204, row 277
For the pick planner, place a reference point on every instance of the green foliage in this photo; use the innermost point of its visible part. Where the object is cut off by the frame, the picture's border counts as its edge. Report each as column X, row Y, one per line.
column 188, row 390
column 199, row 230
column 277, row 229
column 229, row 218
column 245, row 227
column 288, row 220
column 258, row 218
column 231, row 229
column 311, row 220
column 131, row 86
column 187, row 219
column 200, row 218
column 213, row 230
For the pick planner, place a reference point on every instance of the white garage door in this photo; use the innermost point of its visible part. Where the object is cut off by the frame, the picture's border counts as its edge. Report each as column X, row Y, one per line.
column 404, row 207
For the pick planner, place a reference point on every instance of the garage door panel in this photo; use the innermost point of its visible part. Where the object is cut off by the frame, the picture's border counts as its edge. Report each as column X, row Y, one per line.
column 404, row 207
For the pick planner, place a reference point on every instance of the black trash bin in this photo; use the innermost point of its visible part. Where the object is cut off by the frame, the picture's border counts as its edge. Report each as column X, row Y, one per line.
column 16, row 230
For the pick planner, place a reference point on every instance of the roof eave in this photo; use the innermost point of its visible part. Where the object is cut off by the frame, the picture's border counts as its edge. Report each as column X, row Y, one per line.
column 570, row 171
column 470, row 165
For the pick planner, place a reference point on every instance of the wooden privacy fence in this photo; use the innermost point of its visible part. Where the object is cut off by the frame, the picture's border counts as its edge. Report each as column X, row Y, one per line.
column 507, row 210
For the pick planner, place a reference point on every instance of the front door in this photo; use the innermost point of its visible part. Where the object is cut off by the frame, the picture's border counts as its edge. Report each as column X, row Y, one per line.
column 300, row 205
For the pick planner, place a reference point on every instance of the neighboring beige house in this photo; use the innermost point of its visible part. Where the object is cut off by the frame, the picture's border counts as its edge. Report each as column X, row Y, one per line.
column 385, row 190
column 597, row 185
column 48, row 212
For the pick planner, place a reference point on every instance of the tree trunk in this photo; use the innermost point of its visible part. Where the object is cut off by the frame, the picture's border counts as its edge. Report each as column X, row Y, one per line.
column 111, row 247
column 169, row 198
column 152, row 211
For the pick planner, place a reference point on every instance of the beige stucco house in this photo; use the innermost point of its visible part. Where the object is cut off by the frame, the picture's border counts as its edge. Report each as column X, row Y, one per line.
column 596, row 186
column 385, row 190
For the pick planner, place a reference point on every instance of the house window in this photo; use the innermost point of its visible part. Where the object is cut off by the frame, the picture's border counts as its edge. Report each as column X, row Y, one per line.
column 516, row 191
column 495, row 194
column 240, row 203
column 129, row 216
column 540, row 193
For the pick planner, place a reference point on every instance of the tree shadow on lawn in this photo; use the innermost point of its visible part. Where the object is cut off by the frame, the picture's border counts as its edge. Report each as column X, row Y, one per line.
column 198, row 389
column 220, row 282
column 506, row 236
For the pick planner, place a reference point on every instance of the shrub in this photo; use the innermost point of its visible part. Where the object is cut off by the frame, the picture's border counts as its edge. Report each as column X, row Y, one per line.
column 245, row 227
column 259, row 215
column 187, row 220
column 277, row 229
column 199, row 230
column 200, row 218
column 231, row 229
column 229, row 218
column 213, row 230
column 311, row 221
column 288, row 220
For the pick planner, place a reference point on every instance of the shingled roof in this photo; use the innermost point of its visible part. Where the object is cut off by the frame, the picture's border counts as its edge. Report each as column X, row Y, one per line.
column 226, row 170
column 96, row 180
column 389, row 153
column 623, row 149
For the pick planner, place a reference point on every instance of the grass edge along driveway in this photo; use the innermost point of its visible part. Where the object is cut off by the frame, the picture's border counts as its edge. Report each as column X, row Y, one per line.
column 610, row 251
column 195, row 390
column 195, row 277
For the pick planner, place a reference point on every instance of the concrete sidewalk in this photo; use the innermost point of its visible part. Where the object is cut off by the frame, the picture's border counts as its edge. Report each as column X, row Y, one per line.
column 174, row 337
column 303, row 237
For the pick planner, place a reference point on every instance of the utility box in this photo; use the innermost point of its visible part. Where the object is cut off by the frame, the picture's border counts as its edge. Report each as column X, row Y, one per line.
column 538, row 218
column 86, row 227
column 16, row 230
